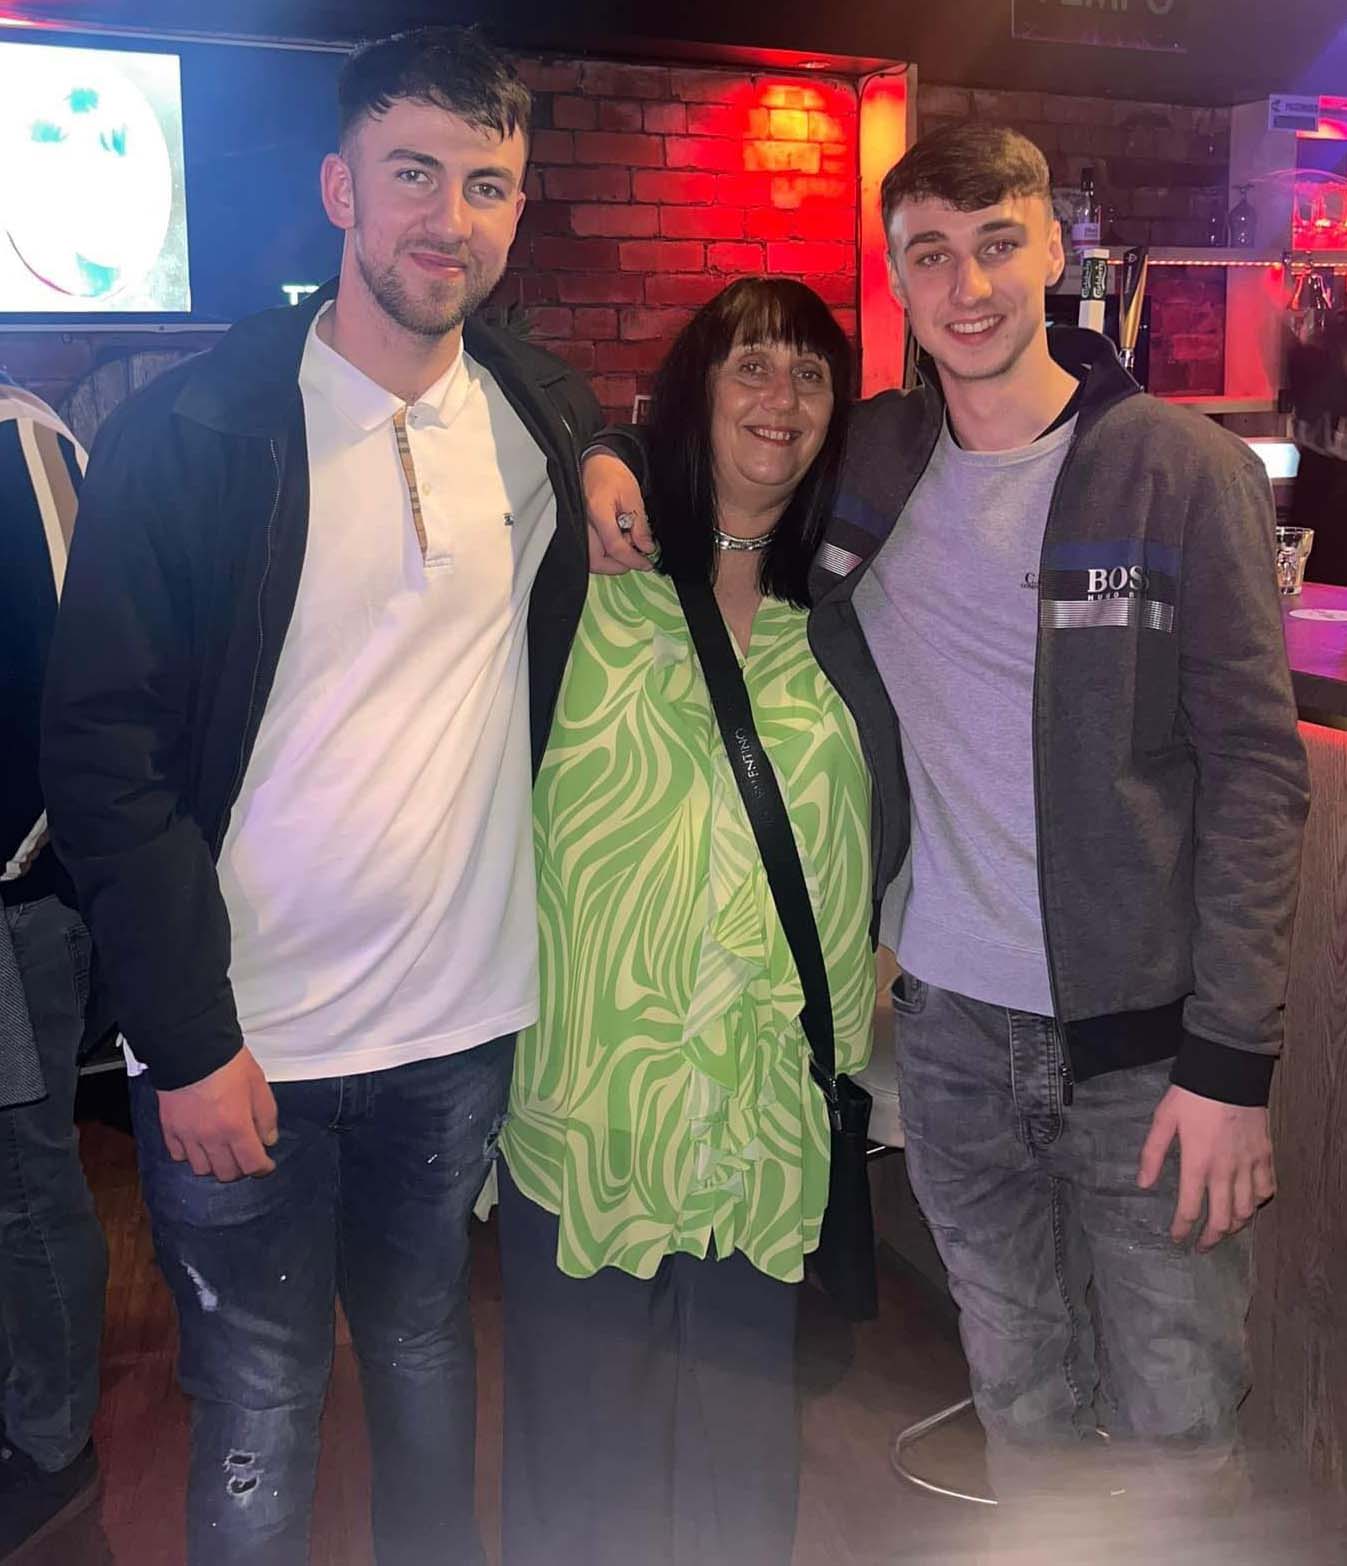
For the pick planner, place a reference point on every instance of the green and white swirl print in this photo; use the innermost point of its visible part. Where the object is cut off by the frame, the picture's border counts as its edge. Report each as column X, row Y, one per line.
column 665, row 1096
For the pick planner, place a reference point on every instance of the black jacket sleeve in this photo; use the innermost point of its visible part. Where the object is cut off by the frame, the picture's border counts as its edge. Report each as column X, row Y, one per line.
column 628, row 443
column 115, row 759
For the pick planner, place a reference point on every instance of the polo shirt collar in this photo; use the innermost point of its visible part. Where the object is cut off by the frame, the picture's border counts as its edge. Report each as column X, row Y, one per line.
column 364, row 402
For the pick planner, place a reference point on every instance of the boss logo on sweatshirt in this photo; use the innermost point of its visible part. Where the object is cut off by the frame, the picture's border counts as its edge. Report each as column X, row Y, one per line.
column 1109, row 583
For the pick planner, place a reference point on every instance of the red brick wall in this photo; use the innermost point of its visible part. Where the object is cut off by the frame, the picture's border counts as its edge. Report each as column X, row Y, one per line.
column 652, row 187
column 1162, row 169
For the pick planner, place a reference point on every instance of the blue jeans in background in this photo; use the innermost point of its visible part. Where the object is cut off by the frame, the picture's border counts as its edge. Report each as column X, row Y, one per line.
column 375, row 1180
column 53, row 1259
column 1078, row 1312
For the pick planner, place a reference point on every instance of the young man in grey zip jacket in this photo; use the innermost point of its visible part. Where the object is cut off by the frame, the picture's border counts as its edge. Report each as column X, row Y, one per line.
column 1063, row 591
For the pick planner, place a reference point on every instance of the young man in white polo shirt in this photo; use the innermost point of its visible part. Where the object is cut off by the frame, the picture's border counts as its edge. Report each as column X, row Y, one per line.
column 331, row 572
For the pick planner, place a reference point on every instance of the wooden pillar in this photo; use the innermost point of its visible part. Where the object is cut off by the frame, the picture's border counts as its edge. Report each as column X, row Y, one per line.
column 1299, row 1320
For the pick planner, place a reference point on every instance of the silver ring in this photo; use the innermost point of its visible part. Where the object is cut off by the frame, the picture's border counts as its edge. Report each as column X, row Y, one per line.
column 626, row 520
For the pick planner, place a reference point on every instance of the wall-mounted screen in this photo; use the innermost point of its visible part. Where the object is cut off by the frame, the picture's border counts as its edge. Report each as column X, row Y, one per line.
column 93, row 198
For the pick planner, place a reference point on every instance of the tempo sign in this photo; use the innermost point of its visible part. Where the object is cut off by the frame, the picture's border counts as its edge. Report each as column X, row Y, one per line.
column 1117, row 24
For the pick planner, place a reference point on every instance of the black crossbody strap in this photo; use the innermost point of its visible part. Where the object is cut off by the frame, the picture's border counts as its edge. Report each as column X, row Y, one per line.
column 767, row 814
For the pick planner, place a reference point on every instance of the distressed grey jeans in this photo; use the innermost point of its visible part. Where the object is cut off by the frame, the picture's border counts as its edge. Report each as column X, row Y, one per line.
column 1078, row 1312
column 375, row 1180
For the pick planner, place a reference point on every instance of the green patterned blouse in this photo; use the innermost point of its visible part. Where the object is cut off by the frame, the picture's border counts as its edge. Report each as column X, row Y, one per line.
column 665, row 1096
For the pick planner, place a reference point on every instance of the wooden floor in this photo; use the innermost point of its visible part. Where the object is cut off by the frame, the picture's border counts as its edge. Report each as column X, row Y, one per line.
column 861, row 1386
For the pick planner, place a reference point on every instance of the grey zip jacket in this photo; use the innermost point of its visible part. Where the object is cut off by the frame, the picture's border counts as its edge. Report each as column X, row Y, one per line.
column 1170, row 783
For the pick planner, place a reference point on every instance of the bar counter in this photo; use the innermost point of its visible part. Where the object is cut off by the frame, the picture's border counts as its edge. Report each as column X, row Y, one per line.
column 1299, row 1319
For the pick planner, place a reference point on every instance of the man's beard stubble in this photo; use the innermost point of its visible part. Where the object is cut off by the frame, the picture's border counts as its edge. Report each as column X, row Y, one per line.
column 424, row 317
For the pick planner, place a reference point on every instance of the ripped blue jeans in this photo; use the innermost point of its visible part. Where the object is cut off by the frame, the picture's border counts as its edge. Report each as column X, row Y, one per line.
column 375, row 1180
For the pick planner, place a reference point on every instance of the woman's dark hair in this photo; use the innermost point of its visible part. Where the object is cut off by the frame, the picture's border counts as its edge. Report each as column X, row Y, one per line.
column 682, row 497
column 453, row 68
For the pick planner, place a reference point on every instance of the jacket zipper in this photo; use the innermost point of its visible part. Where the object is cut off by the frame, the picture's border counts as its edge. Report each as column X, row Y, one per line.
column 1066, row 1076
column 237, row 783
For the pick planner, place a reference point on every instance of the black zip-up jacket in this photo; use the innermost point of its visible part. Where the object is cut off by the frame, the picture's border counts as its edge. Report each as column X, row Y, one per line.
column 178, row 597
column 1170, row 782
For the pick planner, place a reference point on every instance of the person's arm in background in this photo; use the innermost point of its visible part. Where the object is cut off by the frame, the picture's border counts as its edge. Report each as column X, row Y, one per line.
column 114, row 752
column 614, row 473
column 1238, row 714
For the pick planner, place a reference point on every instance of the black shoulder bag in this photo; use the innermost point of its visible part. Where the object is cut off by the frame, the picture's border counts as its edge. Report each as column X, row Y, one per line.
column 844, row 1263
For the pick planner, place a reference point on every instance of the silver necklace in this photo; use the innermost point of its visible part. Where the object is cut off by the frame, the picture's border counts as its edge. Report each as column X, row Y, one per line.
column 733, row 544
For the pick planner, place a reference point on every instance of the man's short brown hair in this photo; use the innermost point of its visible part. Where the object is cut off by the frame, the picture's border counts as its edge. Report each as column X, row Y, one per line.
column 968, row 167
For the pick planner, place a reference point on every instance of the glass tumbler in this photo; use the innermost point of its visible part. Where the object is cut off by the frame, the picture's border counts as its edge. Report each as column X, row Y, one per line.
column 1293, row 550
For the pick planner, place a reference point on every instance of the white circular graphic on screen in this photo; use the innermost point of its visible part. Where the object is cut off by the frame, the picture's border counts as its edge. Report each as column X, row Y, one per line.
column 88, row 186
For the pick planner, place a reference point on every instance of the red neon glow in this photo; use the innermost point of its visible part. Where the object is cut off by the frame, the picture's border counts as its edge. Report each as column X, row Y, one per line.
column 1332, row 121
column 884, row 136
column 1319, row 216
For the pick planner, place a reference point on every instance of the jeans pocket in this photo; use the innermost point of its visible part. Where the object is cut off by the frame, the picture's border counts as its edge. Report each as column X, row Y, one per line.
column 908, row 994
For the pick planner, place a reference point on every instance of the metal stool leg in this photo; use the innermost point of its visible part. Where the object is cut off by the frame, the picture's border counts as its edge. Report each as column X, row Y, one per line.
column 913, row 1434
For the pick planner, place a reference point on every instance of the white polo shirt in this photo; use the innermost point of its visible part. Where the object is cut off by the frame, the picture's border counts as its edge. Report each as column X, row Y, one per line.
column 378, row 869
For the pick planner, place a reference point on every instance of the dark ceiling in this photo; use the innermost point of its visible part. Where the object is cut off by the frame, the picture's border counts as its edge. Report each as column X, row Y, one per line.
column 1238, row 50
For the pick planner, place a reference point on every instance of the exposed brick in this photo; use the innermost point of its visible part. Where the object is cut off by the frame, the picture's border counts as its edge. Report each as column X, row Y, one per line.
column 661, row 255
column 791, row 190
column 629, row 151
column 1058, row 110
column 665, row 119
column 533, row 184
column 781, row 96
column 550, row 321
column 734, row 258
column 552, row 146
column 579, row 355
column 574, row 113
column 1006, row 107
column 955, row 102
column 588, row 184
column 603, row 79
column 828, row 128
column 549, row 75
column 815, row 221
column 789, row 124
column 835, row 160
column 575, row 255
column 846, row 319
column 650, row 325
column 1192, row 347
column 545, row 217
column 702, row 222
column 705, row 152
column 807, row 256
column 706, row 86
column 593, row 324
column 616, row 288
column 719, row 119
column 780, row 157
column 620, row 114
column 679, row 288
column 620, row 221
column 744, row 190
column 615, row 392
column 633, row 358
column 837, row 288
column 537, row 287
column 685, row 188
